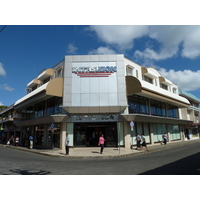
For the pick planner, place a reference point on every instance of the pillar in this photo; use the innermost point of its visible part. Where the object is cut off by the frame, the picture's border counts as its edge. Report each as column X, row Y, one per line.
column 151, row 134
column 63, row 135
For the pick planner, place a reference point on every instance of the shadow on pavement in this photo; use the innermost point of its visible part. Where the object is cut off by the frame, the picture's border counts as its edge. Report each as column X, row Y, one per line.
column 186, row 166
column 26, row 172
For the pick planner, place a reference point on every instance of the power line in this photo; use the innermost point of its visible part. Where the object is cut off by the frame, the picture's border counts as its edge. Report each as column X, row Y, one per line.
column 3, row 28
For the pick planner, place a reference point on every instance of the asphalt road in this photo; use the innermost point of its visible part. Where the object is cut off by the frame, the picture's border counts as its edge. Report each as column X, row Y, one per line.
column 182, row 160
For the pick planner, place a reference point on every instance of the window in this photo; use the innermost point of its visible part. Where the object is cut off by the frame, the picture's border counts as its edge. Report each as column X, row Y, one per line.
column 53, row 105
column 174, row 90
column 59, row 72
column 158, row 108
column 137, row 73
column 138, row 104
column 129, row 71
column 148, row 79
column 164, row 86
column 172, row 111
column 29, row 112
column 39, row 110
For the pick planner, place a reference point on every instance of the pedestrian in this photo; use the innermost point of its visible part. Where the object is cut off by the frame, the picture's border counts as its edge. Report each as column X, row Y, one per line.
column 138, row 139
column 17, row 141
column 144, row 144
column 12, row 140
column 101, row 143
column 164, row 136
column 31, row 142
column 67, row 139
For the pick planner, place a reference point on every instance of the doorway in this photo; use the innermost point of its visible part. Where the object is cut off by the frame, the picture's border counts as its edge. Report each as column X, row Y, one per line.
column 87, row 134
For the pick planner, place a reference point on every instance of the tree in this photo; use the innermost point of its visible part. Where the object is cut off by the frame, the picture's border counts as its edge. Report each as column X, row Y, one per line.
column 3, row 107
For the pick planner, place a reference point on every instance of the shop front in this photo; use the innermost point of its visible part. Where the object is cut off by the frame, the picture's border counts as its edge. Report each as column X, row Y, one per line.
column 43, row 135
column 85, row 130
column 87, row 134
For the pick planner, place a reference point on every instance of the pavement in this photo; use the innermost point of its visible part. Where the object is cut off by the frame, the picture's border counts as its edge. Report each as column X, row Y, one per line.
column 93, row 152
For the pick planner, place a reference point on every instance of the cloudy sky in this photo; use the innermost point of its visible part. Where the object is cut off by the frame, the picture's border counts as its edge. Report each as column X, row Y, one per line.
column 174, row 50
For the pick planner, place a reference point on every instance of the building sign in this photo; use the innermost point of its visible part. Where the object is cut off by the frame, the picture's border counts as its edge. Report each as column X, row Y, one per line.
column 94, row 69
column 94, row 118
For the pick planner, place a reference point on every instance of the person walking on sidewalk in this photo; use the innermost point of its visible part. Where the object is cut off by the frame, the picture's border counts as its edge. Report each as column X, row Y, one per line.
column 138, row 139
column 144, row 144
column 31, row 142
column 67, row 144
column 101, row 143
column 17, row 141
column 164, row 136
column 12, row 140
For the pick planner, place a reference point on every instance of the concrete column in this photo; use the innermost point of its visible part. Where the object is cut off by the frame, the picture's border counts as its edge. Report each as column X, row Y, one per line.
column 181, row 130
column 151, row 134
column 127, row 136
column 45, row 135
column 63, row 135
column 168, row 134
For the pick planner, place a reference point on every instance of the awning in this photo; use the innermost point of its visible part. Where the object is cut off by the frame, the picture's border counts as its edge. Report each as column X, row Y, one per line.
column 43, row 120
column 93, row 109
column 154, row 119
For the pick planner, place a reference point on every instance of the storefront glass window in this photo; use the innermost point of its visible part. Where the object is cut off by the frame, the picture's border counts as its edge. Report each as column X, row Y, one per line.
column 174, row 132
column 39, row 130
column 158, row 130
column 53, row 137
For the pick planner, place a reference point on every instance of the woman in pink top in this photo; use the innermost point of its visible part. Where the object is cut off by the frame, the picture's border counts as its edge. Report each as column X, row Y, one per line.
column 101, row 143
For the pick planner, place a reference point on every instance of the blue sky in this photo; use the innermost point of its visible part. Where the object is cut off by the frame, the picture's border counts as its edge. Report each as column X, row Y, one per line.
column 25, row 50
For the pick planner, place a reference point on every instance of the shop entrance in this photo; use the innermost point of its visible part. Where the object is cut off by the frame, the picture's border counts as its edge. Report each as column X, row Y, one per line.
column 87, row 134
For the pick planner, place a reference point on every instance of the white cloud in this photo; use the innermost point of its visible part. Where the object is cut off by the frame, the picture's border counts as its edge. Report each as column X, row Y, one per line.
column 6, row 87
column 172, row 40
column 186, row 80
column 2, row 70
column 71, row 49
column 102, row 50
column 120, row 35
column 1, row 104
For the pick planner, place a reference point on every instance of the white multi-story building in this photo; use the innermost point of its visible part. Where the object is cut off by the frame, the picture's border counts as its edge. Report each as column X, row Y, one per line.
column 86, row 95
column 191, row 131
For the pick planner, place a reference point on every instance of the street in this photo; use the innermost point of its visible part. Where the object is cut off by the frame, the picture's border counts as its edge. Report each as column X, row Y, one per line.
column 182, row 160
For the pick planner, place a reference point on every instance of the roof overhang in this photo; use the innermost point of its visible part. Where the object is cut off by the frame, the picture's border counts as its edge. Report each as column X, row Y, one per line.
column 34, row 83
column 52, row 88
column 43, row 120
column 94, row 109
column 134, row 86
column 154, row 119
column 149, row 72
column 47, row 73
column 165, row 81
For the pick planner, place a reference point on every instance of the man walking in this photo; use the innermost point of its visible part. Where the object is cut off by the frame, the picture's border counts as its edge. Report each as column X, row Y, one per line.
column 31, row 141
column 67, row 144
column 164, row 136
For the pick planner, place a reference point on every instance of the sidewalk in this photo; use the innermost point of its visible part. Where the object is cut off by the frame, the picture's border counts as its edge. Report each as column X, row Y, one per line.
column 109, row 152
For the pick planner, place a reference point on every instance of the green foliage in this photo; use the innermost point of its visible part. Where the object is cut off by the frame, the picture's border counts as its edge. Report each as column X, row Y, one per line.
column 3, row 107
